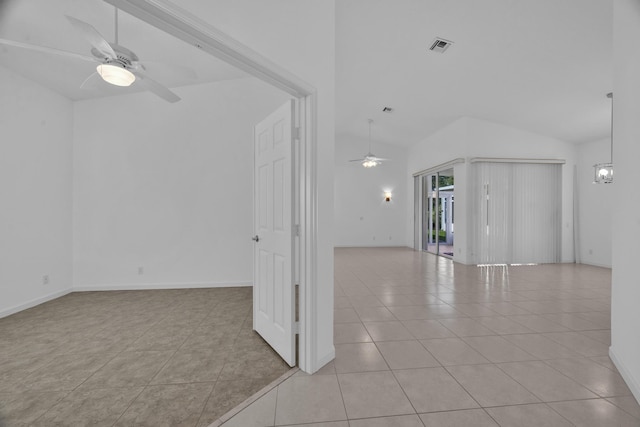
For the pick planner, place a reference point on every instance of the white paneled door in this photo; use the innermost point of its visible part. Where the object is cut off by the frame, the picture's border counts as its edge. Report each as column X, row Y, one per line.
column 273, row 287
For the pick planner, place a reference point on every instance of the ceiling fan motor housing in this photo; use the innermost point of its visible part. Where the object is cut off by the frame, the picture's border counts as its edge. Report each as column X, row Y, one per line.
column 124, row 57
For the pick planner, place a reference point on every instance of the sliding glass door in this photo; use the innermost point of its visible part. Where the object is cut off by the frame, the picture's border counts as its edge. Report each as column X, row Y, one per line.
column 437, row 212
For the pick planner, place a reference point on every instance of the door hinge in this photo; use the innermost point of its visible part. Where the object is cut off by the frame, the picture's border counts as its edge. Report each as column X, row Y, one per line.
column 296, row 134
column 297, row 229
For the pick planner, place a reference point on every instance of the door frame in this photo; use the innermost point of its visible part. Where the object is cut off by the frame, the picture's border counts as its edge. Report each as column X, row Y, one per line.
column 185, row 26
column 418, row 207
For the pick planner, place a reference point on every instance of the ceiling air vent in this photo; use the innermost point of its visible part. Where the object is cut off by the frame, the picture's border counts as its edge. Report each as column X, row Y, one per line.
column 440, row 45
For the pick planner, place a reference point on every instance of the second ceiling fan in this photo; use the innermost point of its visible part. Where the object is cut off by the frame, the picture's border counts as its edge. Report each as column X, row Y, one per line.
column 370, row 160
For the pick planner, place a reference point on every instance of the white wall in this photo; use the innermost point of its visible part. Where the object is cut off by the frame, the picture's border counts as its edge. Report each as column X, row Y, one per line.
column 595, row 206
column 167, row 187
column 625, row 315
column 300, row 36
column 469, row 137
column 35, row 193
column 362, row 217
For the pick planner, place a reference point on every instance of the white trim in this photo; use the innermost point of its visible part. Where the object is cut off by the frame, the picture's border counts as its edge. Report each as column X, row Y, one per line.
column 593, row 264
column 189, row 28
column 161, row 285
column 326, row 358
column 37, row 301
column 373, row 246
column 307, row 348
column 513, row 160
column 170, row 18
column 440, row 167
column 632, row 383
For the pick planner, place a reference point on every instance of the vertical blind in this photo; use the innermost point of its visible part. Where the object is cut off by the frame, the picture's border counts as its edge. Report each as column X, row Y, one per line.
column 516, row 213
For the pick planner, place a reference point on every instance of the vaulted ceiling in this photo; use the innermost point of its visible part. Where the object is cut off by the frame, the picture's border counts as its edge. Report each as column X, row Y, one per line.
column 542, row 66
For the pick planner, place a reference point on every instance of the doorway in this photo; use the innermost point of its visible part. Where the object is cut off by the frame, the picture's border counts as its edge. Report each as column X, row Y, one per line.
column 315, row 315
column 437, row 208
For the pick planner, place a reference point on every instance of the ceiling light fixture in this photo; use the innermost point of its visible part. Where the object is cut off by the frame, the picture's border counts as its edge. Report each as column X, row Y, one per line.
column 115, row 74
column 370, row 160
column 603, row 172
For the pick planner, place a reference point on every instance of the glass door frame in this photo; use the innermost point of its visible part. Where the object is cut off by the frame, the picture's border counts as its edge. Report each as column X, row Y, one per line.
column 419, row 204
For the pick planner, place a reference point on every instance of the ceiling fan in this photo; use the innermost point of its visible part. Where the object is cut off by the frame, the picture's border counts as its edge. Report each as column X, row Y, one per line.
column 117, row 65
column 370, row 160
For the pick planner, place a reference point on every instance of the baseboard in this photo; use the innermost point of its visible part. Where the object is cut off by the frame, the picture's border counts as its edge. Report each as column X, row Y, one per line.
column 325, row 359
column 142, row 286
column 593, row 264
column 632, row 383
column 391, row 245
column 12, row 310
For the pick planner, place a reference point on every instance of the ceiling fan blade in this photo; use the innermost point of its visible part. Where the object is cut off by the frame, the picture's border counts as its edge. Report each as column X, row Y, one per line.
column 155, row 87
column 173, row 71
column 93, row 37
column 91, row 76
column 357, row 160
column 44, row 49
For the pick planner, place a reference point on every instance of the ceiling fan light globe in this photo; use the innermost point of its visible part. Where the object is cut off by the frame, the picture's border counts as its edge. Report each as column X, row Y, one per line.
column 115, row 75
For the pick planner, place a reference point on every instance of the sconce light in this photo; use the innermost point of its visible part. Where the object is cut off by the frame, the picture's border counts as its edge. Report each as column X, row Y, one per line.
column 387, row 196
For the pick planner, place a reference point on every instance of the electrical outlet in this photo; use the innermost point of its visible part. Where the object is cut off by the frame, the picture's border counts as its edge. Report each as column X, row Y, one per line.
column 140, row 271
column 374, row 237
column 590, row 251
column 45, row 279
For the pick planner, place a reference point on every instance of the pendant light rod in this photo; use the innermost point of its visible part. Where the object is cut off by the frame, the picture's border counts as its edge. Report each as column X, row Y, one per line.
column 370, row 121
column 116, row 21
column 603, row 172
column 610, row 96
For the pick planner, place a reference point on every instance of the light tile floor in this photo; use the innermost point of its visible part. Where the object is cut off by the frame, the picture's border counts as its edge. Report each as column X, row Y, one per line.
column 132, row 358
column 422, row 341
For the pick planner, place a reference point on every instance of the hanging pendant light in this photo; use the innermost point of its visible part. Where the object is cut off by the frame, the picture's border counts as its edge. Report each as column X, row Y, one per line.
column 603, row 172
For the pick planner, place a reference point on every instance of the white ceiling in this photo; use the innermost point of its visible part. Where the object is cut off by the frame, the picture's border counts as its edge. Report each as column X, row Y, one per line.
column 42, row 22
column 541, row 65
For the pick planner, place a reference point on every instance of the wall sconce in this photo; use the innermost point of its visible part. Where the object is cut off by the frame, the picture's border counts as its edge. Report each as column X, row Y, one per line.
column 387, row 196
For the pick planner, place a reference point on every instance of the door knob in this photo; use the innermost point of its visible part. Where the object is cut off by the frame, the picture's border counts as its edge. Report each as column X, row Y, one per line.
column 256, row 238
